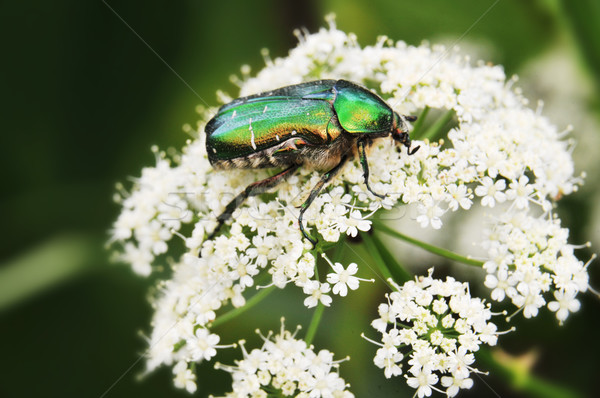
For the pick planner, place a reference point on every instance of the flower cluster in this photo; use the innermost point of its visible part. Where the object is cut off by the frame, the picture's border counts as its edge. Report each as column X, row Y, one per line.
column 285, row 366
column 530, row 256
column 497, row 152
column 438, row 326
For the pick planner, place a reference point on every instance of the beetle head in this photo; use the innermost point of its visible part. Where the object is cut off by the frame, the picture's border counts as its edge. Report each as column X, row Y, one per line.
column 400, row 132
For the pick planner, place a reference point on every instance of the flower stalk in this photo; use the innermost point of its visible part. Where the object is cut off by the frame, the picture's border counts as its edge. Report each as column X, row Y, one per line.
column 428, row 247
column 251, row 302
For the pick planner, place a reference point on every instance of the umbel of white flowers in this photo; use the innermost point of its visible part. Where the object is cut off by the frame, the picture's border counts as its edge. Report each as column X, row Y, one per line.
column 289, row 365
column 500, row 153
column 439, row 326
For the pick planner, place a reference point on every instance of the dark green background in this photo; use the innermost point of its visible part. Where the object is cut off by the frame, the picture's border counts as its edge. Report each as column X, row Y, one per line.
column 84, row 98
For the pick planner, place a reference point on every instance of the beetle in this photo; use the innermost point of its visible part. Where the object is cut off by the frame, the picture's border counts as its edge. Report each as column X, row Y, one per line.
column 315, row 124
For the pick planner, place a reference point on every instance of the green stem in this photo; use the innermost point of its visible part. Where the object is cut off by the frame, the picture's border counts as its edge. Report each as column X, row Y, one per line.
column 318, row 314
column 436, row 128
column 517, row 372
column 314, row 323
column 426, row 246
column 325, row 246
column 251, row 302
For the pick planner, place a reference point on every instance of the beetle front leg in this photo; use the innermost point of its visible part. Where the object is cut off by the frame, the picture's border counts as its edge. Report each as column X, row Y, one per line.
column 251, row 190
column 362, row 156
column 325, row 178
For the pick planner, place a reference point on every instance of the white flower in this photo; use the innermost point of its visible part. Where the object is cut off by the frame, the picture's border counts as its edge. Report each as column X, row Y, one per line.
column 459, row 196
column 430, row 213
column 389, row 361
column 352, row 224
column 491, row 191
column 454, row 383
column 317, row 292
column 243, row 271
column 140, row 259
column 184, row 377
column 519, row 191
column 501, row 284
column 564, row 304
column 423, row 380
column 202, row 345
column 343, row 279
column 380, row 324
column 322, row 383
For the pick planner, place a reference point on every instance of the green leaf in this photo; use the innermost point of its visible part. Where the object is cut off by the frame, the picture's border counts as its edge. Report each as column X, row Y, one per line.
column 583, row 16
column 376, row 256
column 418, row 124
column 46, row 266
column 436, row 130
column 517, row 371
column 399, row 272
column 388, row 264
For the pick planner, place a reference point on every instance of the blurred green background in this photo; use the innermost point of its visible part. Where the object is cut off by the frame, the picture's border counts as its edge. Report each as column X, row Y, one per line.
column 84, row 98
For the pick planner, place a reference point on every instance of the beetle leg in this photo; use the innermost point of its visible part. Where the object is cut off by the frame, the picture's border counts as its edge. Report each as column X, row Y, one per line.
column 325, row 178
column 362, row 155
column 251, row 190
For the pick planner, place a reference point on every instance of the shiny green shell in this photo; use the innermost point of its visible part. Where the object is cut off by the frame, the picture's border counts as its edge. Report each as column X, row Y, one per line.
column 311, row 114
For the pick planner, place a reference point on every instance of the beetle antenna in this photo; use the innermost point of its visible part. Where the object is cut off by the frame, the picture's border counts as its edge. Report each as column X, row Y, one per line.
column 410, row 118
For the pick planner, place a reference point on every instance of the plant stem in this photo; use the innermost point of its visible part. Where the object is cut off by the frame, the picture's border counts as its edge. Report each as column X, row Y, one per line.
column 251, row 302
column 318, row 314
column 426, row 246
column 314, row 323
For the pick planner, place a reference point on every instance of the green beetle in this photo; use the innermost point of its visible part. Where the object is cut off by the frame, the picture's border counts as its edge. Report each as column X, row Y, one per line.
column 315, row 124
